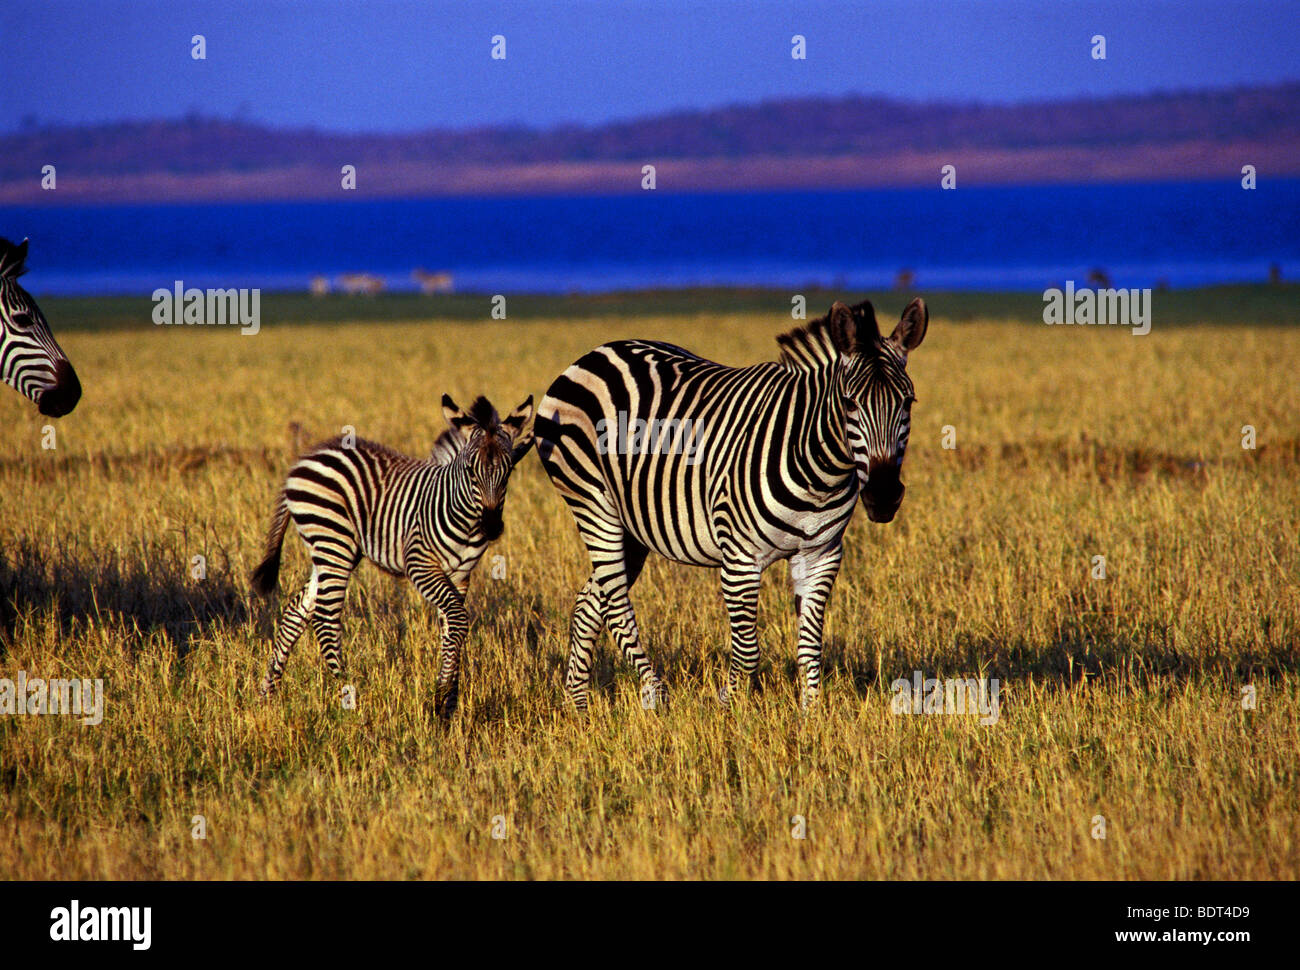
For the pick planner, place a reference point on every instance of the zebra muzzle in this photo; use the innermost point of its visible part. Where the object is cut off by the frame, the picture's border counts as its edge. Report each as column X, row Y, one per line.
column 883, row 493
column 62, row 397
column 493, row 525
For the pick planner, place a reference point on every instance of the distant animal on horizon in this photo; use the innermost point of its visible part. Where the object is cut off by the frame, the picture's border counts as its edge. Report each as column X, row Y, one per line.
column 319, row 286
column 432, row 282
column 425, row 519
column 31, row 360
column 653, row 447
column 367, row 283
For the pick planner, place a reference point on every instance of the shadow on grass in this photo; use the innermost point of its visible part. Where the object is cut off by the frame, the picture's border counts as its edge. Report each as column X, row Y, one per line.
column 160, row 598
column 1077, row 655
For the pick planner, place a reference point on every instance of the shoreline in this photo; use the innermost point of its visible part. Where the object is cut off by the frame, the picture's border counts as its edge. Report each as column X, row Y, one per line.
column 1252, row 304
column 1177, row 162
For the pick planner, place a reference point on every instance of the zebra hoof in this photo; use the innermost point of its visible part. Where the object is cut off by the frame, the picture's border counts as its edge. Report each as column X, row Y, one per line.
column 654, row 696
column 445, row 705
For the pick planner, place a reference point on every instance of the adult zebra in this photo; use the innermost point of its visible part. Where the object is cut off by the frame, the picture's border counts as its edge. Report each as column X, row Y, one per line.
column 655, row 448
column 31, row 361
column 426, row 519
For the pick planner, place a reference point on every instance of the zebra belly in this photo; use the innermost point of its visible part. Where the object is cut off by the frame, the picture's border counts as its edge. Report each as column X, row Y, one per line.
column 664, row 503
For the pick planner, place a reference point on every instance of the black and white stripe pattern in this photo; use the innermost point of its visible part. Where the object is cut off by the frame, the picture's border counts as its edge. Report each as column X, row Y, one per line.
column 427, row 520
column 446, row 447
column 31, row 361
column 784, row 450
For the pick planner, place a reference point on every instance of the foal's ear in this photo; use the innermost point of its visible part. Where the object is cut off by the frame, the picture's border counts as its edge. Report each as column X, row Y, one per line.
column 457, row 419
column 514, row 423
column 909, row 333
column 519, row 417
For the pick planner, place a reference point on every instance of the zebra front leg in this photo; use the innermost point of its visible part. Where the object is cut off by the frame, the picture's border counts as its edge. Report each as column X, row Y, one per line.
column 438, row 590
column 584, row 628
column 292, row 622
column 812, row 574
column 740, row 583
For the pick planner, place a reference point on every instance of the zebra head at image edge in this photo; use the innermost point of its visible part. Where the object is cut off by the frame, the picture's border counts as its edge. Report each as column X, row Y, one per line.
column 31, row 360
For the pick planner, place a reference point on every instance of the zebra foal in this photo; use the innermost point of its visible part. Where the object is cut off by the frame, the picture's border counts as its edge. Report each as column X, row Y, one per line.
column 429, row 520
column 763, row 463
column 31, row 360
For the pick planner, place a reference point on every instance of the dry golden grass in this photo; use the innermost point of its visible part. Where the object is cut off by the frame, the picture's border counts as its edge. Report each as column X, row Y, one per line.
column 1120, row 697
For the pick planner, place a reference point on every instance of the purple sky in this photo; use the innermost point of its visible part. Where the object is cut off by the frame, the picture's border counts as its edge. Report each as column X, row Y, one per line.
column 392, row 65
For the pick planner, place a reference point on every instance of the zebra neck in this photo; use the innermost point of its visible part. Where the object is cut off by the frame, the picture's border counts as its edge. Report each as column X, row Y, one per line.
column 823, row 426
column 453, row 490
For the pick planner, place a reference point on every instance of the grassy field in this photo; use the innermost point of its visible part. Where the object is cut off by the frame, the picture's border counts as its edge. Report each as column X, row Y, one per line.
column 1120, row 697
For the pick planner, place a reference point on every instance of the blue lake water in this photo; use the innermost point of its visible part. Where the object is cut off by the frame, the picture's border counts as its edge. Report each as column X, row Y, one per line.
column 1023, row 238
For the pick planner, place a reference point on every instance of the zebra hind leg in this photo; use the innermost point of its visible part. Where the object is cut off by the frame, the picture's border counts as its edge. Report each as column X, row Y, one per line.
column 584, row 628
column 331, row 587
column 615, row 579
column 590, row 614
column 293, row 621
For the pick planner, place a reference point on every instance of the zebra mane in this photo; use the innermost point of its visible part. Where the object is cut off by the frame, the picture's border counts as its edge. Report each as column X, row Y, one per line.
column 13, row 259
column 843, row 330
column 446, row 447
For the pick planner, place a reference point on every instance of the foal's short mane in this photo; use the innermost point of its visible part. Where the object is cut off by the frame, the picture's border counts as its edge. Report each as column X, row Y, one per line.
column 484, row 414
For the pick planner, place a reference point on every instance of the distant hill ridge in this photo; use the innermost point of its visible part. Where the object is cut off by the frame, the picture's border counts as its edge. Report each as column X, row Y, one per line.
column 1186, row 127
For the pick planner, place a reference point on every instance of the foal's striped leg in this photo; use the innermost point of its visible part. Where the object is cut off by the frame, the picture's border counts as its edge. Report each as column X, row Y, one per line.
column 292, row 622
column 441, row 592
column 332, row 588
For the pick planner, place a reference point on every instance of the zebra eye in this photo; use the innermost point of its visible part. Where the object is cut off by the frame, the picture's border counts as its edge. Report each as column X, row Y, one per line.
column 21, row 320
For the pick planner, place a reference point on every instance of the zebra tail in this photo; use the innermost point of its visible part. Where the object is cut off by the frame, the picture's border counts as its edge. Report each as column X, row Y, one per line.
column 267, row 576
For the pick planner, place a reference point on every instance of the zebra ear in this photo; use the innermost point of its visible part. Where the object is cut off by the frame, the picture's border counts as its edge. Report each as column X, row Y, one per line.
column 456, row 418
column 853, row 329
column 909, row 333
column 519, row 417
column 514, row 423
column 521, row 447
column 12, row 259
column 843, row 328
